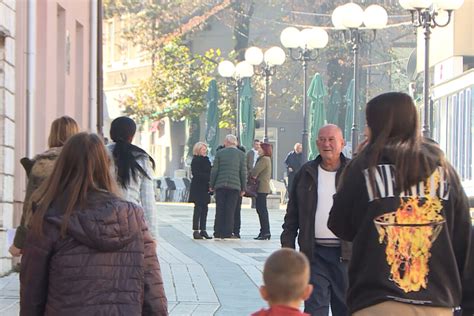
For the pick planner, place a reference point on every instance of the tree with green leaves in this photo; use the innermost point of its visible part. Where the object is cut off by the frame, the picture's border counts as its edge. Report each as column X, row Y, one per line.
column 177, row 86
column 153, row 21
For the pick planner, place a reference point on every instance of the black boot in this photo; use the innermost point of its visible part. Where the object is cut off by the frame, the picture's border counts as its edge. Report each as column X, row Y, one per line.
column 263, row 237
column 205, row 235
column 197, row 235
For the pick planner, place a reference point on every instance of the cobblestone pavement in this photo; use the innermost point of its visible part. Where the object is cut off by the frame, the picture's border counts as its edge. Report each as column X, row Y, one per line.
column 9, row 295
column 202, row 277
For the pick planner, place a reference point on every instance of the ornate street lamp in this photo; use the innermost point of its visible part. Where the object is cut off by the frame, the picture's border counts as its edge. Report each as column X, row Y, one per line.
column 274, row 56
column 426, row 14
column 349, row 18
column 303, row 47
column 235, row 74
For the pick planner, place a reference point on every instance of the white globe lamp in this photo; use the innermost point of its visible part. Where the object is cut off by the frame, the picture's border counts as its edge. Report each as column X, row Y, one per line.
column 421, row 4
column 337, row 18
column 226, row 69
column 313, row 38
column 254, row 55
column 353, row 15
column 274, row 56
column 290, row 37
column 375, row 17
column 448, row 4
column 243, row 70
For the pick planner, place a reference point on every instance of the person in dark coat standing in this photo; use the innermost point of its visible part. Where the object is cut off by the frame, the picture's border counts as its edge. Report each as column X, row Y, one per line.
column 228, row 181
column 199, row 192
column 88, row 252
column 238, row 206
column 293, row 163
column 306, row 221
column 252, row 155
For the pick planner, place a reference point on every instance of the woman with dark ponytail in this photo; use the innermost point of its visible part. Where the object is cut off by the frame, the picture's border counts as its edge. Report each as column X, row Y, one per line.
column 133, row 168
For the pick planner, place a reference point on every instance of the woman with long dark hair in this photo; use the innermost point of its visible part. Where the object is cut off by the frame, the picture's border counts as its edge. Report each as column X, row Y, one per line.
column 88, row 252
column 199, row 191
column 133, row 169
column 38, row 169
column 402, row 206
column 263, row 172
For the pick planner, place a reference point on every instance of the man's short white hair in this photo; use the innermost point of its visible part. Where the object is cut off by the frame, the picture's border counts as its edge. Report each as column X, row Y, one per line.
column 231, row 140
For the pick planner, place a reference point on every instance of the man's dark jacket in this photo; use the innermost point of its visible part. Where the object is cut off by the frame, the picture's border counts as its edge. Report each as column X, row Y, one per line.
column 301, row 209
column 294, row 160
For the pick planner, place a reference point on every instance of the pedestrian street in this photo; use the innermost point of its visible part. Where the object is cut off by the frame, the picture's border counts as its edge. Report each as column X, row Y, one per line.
column 213, row 277
column 201, row 277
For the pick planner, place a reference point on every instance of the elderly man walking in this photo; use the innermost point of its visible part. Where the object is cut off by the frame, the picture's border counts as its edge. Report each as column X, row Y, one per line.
column 228, row 179
column 293, row 162
column 307, row 216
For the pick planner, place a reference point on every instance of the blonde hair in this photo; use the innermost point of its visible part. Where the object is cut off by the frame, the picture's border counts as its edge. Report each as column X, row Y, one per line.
column 61, row 130
column 197, row 148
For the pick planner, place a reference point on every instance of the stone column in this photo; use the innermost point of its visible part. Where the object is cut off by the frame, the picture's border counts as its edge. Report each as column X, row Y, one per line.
column 7, row 126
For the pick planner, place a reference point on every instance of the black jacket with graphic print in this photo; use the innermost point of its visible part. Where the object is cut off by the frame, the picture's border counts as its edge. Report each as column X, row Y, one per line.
column 402, row 258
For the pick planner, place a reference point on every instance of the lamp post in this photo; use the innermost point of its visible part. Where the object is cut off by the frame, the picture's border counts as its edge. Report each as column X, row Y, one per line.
column 303, row 47
column 274, row 56
column 426, row 14
column 236, row 73
column 349, row 18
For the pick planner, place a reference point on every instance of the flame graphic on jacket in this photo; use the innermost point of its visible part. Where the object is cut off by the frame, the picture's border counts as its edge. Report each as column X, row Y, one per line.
column 409, row 233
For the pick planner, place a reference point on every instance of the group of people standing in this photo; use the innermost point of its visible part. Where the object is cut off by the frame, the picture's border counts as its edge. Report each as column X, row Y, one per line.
column 84, row 227
column 388, row 232
column 227, row 179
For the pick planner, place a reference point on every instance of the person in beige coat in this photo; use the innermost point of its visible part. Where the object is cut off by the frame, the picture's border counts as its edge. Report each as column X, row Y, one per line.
column 38, row 170
column 263, row 171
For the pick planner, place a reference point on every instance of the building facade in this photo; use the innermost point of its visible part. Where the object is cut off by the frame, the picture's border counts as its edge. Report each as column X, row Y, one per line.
column 452, row 111
column 45, row 72
column 7, row 125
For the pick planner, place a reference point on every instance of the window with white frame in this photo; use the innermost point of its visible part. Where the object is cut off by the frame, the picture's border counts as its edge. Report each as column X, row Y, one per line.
column 461, row 150
column 469, row 105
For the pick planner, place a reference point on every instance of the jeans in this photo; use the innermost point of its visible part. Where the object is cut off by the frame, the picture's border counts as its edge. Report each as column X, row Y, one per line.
column 262, row 211
column 200, row 216
column 330, row 281
column 226, row 201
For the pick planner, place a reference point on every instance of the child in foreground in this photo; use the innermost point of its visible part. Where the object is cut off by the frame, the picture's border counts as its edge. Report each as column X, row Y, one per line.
column 286, row 283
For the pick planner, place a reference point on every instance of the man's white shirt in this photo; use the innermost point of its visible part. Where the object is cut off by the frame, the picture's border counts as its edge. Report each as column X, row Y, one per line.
column 326, row 191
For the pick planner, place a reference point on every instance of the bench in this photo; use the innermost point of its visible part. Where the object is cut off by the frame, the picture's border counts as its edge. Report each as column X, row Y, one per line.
column 273, row 201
